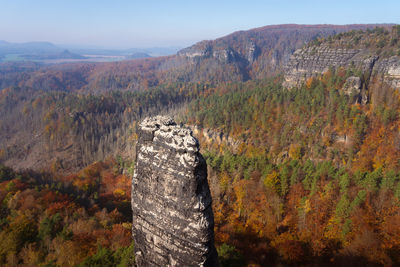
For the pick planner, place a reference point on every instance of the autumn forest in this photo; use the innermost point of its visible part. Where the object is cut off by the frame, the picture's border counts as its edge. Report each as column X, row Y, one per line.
column 302, row 176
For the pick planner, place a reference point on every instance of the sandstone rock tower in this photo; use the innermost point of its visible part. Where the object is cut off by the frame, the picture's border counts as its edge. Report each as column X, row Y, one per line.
column 172, row 216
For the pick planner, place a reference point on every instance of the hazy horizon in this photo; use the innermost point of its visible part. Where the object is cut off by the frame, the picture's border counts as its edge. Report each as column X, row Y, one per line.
column 95, row 46
column 137, row 24
column 90, row 47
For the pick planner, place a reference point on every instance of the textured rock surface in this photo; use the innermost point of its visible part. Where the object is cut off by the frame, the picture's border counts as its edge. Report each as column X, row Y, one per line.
column 390, row 68
column 353, row 87
column 312, row 61
column 257, row 53
column 172, row 215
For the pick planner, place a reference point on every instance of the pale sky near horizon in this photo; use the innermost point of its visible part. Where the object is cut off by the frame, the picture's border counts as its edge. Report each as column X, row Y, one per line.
column 132, row 23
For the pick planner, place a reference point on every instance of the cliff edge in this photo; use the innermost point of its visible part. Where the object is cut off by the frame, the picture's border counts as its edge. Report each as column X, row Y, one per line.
column 374, row 53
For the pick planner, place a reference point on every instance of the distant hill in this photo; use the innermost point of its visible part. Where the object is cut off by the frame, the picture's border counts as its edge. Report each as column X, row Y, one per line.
column 152, row 51
column 240, row 56
column 155, row 51
column 63, row 55
column 50, row 53
column 138, row 55
column 306, row 176
column 262, row 51
column 29, row 48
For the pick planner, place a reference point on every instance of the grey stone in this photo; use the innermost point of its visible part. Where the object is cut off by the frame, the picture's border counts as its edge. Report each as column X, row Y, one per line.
column 251, row 51
column 173, row 223
column 313, row 61
column 390, row 68
column 352, row 87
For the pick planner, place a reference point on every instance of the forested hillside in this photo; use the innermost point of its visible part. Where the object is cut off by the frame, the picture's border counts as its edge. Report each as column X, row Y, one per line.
column 65, row 131
column 315, row 179
column 307, row 175
column 48, row 220
column 69, row 115
column 239, row 56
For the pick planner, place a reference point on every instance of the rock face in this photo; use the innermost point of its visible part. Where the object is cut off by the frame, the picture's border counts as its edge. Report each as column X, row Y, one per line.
column 254, row 54
column 202, row 50
column 313, row 61
column 353, row 87
column 172, row 215
column 390, row 67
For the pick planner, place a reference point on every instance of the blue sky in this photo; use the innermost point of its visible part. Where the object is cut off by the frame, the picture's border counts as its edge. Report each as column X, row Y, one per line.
column 124, row 23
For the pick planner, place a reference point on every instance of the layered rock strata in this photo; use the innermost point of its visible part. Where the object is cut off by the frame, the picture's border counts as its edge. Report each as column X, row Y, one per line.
column 316, row 60
column 312, row 61
column 172, row 215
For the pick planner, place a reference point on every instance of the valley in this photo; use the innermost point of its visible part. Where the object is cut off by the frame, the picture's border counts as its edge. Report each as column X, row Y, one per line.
column 298, row 124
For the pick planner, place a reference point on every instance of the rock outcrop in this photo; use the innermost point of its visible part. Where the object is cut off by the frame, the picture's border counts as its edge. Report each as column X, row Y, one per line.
column 353, row 88
column 390, row 68
column 257, row 53
column 312, row 61
column 172, row 215
column 202, row 50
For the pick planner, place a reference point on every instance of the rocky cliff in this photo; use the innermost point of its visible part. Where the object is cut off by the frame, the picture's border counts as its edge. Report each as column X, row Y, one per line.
column 309, row 62
column 372, row 53
column 172, row 215
column 72, row 134
column 259, row 52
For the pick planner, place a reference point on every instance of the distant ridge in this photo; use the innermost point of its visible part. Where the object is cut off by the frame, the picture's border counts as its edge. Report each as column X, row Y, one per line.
column 138, row 55
column 243, row 55
column 63, row 55
column 29, row 48
column 240, row 56
column 263, row 51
